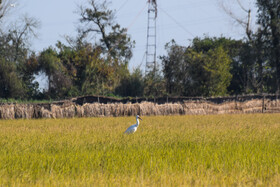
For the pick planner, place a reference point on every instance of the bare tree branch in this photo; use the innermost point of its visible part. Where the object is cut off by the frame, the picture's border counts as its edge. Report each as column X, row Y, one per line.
column 100, row 16
column 244, row 22
column 241, row 6
column 5, row 7
column 22, row 32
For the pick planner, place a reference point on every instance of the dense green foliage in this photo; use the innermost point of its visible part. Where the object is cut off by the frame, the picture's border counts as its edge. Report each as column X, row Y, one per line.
column 209, row 66
column 269, row 20
column 192, row 71
column 224, row 150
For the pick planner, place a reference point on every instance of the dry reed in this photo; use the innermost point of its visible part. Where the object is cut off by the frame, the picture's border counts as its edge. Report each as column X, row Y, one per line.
column 190, row 107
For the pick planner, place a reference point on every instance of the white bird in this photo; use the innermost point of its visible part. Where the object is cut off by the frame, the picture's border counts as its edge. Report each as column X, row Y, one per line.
column 133, row 128
column 13, row 5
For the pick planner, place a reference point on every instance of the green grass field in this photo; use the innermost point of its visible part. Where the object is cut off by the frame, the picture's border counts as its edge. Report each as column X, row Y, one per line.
column 165, row 151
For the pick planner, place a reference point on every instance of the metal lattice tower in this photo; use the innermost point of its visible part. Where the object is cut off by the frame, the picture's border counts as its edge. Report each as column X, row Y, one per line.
column 151, row 37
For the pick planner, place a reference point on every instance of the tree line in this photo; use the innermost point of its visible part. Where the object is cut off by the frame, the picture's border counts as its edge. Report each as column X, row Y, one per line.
column 209, row 66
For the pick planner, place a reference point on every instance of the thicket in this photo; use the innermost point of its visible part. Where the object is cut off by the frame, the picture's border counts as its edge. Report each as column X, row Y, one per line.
column 209, row 66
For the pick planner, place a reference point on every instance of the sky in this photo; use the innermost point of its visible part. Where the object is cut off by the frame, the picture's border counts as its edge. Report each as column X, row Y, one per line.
column 181, row 20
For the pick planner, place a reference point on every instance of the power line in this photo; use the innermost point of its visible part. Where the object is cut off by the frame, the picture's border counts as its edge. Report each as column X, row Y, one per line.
column 121, row 7
column 138, row 15
column 179, row 24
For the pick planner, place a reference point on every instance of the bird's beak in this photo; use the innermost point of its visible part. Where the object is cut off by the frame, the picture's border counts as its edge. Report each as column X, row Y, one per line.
column 140, row 118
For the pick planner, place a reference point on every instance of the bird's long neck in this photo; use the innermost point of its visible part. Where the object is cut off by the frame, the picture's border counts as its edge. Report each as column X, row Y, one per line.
column 137, row 122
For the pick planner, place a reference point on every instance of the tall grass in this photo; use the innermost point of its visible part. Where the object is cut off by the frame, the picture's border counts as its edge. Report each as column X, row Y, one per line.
column 171, row 150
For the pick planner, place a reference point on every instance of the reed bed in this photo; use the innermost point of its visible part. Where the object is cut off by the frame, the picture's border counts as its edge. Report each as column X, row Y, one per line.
column 219, row 150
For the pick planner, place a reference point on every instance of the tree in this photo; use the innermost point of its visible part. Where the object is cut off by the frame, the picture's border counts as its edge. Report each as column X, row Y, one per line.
column 208, row 73
column 20, row 34
column 201, row 69
column 113, row 46
column 174, row 68
column 59, row 82
column 11, row 86
column 99, row 75
column 269, row 20
column 113, row 40
column 132, row 85
column 154, row 84
column 5, row 8
column 27, row 71
column 217, row 67
column 264, row 78
column 89, row 71
column 15, row 42
column 244, row 21
column 14, row 50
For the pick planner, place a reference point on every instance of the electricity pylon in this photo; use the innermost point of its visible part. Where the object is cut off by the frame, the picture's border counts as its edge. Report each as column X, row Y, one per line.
column 151, row 47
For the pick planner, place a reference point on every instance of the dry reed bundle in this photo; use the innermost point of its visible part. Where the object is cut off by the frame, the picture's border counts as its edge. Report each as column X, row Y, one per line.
column 63, row 111
column 272, row 106
column 188, row 107
column 7, row 111
column 194, row 108
column 23, row 111
column 252, row 106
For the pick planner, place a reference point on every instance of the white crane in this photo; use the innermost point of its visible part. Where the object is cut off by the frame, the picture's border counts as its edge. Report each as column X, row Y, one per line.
column 133, row 128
